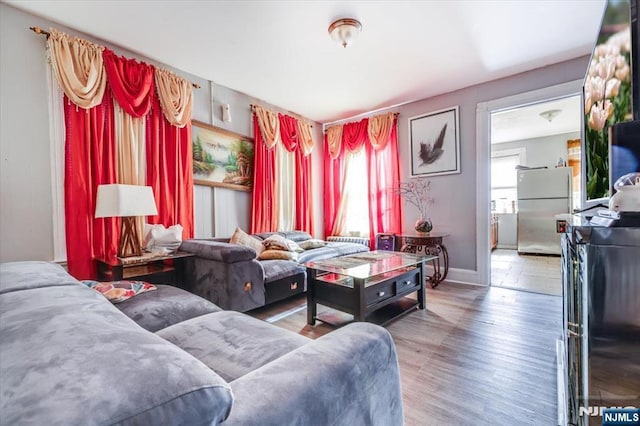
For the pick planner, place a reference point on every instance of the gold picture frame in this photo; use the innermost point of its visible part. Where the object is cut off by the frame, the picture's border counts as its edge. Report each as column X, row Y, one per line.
column 221, row 158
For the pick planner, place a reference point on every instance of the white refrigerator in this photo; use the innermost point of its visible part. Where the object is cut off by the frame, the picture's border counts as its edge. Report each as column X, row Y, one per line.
column 542, row 194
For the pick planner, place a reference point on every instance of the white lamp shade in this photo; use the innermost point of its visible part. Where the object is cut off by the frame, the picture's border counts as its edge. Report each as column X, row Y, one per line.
column 117, row 200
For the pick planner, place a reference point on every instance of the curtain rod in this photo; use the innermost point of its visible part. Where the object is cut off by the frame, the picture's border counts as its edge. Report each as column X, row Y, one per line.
column 40, row 31
column 395, row 115
column 288, row 112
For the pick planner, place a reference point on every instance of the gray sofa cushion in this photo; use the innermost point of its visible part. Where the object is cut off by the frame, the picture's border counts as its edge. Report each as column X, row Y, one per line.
column 332, row 249
column 25, row 275
column 168, row 305
column 277, row 269
column 216, row 250
column 232, row 344
column 69, row 357
column 347, row 377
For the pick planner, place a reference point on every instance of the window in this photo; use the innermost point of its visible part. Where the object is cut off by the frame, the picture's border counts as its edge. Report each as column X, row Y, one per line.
column 356, row 191
column 504, row 179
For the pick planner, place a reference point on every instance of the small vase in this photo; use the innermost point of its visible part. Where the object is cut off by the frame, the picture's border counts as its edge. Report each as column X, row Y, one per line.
column 423, row 226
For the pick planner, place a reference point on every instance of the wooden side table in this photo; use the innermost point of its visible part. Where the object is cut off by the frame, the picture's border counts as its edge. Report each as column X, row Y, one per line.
column 163, row 269
column 429, row 244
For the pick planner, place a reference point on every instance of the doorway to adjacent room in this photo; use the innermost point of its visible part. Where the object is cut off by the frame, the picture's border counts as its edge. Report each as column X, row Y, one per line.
column 543, row 135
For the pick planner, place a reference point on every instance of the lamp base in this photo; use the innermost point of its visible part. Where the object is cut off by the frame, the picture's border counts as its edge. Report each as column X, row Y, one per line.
column 129, row 241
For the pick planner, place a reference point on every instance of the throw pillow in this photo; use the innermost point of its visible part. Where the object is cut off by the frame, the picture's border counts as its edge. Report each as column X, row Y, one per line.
column 278, row 254
column 312, row 244
column 278, row 242
column 119, row 291
column 244, row 239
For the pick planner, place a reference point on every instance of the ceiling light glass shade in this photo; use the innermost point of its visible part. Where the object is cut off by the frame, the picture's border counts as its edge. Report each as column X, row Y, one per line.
column 345, row 31
column 549, row 115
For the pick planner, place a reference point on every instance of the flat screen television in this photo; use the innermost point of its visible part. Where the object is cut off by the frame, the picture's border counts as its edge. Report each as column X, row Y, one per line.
column 611, row 96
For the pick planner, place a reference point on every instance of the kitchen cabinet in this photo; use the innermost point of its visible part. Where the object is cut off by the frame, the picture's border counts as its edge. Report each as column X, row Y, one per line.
column 508, row 230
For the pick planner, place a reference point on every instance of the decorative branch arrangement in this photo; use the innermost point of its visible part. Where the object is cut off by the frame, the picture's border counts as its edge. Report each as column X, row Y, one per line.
column 416, row 192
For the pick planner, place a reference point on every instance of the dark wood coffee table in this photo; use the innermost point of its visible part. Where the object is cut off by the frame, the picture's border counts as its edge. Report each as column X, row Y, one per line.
column 371, row 286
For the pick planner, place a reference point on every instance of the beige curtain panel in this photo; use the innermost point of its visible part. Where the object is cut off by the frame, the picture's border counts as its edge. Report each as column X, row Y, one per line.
column 176, row 97
column 269, row 125
column 305, row 137
column 78, row 67
column 131, row 153
column 334, row 140
column 379, row 130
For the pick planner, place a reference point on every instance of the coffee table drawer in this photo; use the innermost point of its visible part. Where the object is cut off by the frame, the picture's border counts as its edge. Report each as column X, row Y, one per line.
column 378, row 293
column 408, row 283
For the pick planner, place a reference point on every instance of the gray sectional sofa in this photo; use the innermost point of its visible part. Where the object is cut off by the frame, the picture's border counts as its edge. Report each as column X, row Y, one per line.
column 167, row 357
column 231, row 276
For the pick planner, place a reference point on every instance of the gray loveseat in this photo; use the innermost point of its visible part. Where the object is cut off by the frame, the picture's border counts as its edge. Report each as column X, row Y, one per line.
column 231, row 276
column 167, row 357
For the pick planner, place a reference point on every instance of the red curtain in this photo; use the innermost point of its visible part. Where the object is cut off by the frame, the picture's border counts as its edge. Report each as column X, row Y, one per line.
column 170, row 171
column 90, row 160
column 354, row 135
column 385, row 204
column 304, row 199
column 264, row 216
column 288, row 132
column 333, row 175
column 304, row 192
column 132, row 83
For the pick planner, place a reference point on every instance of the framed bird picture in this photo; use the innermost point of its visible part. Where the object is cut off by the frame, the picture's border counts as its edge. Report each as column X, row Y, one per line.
column 435, row 143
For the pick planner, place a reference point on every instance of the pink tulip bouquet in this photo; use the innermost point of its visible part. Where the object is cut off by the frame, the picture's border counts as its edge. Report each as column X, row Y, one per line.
column 607, row 100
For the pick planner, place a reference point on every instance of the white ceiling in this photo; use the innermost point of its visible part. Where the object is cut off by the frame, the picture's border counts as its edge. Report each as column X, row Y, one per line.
column 280, row 52
column 526, row 123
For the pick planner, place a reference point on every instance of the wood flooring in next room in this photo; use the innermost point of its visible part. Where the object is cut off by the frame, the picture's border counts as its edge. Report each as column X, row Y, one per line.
column 474, row 356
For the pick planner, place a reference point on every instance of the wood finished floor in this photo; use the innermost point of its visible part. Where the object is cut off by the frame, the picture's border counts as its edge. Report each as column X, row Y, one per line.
column 474, row 356
column 530, row 272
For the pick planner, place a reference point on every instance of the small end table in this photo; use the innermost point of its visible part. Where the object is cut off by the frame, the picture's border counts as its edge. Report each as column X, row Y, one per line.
column 429, row 244
column 157, row 269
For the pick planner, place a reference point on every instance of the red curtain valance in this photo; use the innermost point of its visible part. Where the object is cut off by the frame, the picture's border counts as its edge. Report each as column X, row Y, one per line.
column 288, row 132
column 355, row 135
column 132, row 83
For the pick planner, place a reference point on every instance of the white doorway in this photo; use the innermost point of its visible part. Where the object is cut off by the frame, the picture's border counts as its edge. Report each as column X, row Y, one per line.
column 538, row 136
column 483, row 179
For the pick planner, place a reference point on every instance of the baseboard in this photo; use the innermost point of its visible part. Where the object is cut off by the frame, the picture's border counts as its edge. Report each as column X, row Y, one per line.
column 463, row 276
column 460, row 276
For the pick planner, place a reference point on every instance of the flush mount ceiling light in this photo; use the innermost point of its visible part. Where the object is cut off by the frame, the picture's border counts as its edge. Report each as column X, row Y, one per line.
column 345, row 31
column 550, row 114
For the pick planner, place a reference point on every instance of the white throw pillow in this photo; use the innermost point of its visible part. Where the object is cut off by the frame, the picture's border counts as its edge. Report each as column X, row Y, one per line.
column 157, row 238
column 278, row 242
column 311, row 244
column 244, row 239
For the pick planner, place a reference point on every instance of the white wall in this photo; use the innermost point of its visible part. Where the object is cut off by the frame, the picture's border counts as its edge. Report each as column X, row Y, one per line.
column 26, row 224
column 543, row 151
column 25, row 171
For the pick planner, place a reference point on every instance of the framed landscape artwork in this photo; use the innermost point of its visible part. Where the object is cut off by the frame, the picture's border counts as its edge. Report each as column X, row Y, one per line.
column 221, row 157
column 435, row 143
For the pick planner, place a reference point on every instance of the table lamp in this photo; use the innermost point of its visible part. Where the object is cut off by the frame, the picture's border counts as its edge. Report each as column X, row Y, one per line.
column 127, row 202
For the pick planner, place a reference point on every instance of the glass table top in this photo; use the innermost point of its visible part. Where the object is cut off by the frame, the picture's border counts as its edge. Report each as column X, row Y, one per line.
column 368, row 264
